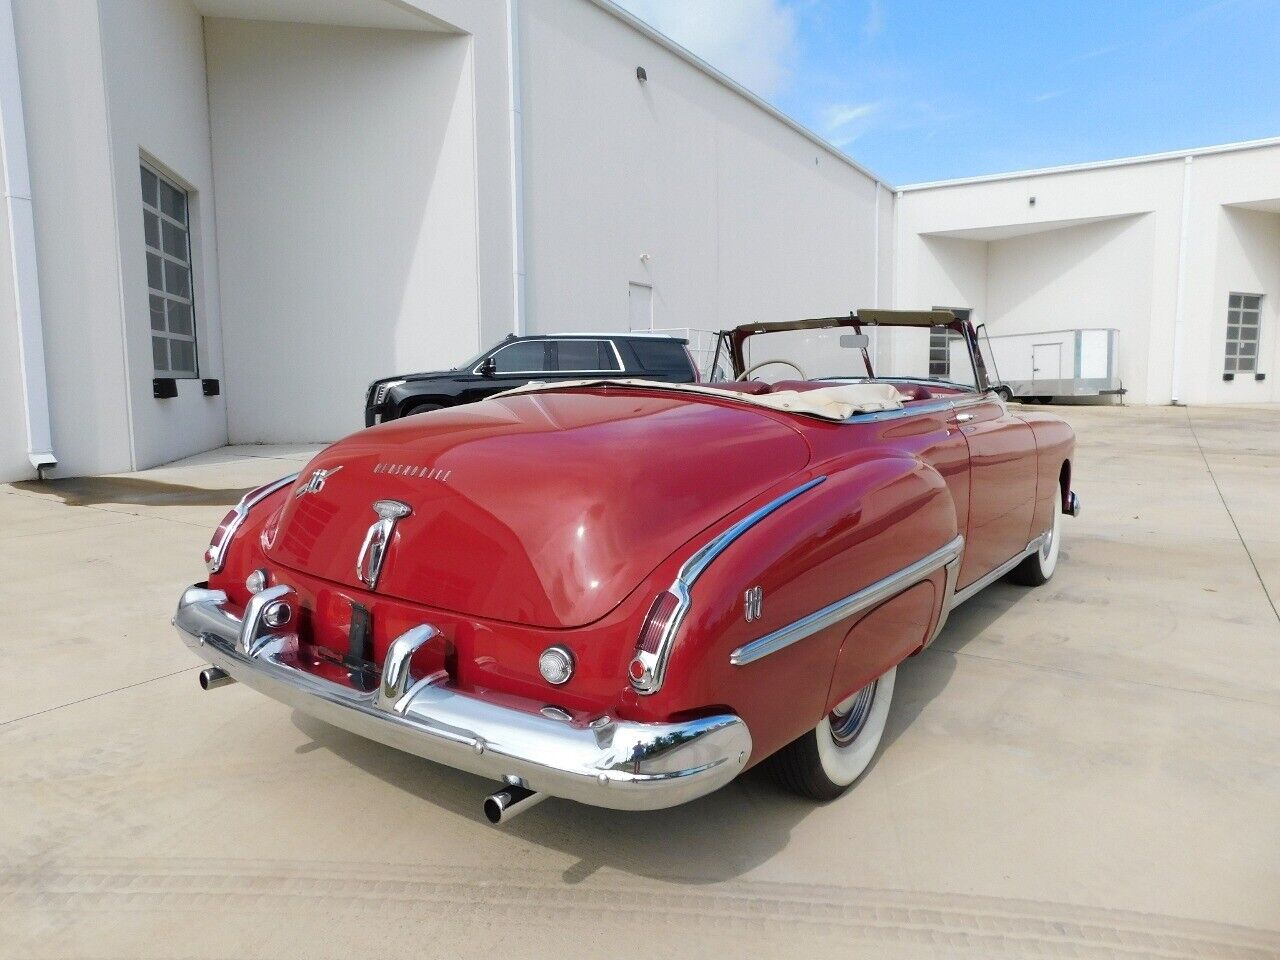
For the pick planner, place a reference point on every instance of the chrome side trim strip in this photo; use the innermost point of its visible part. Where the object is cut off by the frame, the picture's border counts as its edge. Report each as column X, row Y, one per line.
column 998, row 572
column 656, row 663
column 864, row 599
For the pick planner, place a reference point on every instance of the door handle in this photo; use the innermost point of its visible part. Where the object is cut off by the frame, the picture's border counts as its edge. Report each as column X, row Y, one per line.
column 963, row 417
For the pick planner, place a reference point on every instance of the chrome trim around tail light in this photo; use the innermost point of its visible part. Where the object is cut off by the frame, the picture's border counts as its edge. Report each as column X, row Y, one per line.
column 651, row 667
column 877, row 593
column 216, row 555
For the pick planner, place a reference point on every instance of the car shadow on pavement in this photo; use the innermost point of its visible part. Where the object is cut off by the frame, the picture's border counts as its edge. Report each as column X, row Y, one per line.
column 715, row 838
column 718, row 837
column 922, row 678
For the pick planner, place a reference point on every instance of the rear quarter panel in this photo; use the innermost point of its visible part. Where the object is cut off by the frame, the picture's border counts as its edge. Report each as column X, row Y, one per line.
column 1055, row 453
column 864, row 522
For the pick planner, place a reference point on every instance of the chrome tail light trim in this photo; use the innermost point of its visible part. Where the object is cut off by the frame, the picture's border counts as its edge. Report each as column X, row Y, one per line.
column 655, row 663
column 217, row 552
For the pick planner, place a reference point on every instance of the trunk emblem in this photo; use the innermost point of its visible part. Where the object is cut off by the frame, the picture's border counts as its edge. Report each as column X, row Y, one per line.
column 315, row 482
column 374, row 549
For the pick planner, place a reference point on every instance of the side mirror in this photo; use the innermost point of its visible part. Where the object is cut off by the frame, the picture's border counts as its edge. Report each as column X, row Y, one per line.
column 855, row 341
column 488, row 367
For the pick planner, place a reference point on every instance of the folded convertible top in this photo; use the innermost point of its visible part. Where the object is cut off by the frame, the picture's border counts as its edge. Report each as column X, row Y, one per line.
column 827, row 403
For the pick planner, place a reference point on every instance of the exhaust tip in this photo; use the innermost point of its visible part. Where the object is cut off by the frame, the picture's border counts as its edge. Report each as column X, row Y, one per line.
column 213, row 677
column 510, row 802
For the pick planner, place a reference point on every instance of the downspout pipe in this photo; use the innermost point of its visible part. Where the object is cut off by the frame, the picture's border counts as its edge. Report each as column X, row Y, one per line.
column 22, row 243
column 1179, row 307
column 518, row 321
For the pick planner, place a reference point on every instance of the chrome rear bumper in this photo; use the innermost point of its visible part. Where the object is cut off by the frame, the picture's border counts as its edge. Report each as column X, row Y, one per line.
column 608, row 763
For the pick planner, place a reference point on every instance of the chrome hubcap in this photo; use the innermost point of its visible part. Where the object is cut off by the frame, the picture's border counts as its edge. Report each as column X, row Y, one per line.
column 1048, row 541
column 848, row 719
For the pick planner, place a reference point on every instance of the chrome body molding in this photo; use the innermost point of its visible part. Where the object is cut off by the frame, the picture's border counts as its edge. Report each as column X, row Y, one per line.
column 998, row 572
column 947, row 557
column 218, row 552
column 655, row 664
column 933, row 406
column 609, row 763
column 1072, row 507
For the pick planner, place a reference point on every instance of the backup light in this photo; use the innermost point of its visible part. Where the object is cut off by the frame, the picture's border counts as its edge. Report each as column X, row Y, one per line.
column 556, row 665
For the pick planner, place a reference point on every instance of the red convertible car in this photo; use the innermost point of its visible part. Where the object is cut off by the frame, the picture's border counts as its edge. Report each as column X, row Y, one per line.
column 626, row 593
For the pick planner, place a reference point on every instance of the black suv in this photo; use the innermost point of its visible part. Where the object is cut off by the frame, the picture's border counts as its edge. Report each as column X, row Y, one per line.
column 519, row 360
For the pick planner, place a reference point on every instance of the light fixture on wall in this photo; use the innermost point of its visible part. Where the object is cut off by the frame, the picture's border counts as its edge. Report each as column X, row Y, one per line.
column 1031, row 202
column 645, row 258
column 642, row 74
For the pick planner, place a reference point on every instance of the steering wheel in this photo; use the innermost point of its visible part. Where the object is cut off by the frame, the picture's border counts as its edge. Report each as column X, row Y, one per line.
column 764, row 363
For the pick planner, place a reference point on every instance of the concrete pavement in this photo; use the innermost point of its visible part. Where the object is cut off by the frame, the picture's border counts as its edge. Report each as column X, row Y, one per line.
column 1087, row 769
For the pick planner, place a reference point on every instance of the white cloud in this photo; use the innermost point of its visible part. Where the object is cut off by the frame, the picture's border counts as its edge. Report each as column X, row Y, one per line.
column 873, row 25
column 753, row 41
column 844, row 123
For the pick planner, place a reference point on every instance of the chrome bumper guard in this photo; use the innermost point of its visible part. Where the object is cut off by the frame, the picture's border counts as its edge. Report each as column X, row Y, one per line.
column 608, row 763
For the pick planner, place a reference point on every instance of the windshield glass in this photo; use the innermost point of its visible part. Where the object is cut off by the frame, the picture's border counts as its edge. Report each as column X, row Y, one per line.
column 897, row 353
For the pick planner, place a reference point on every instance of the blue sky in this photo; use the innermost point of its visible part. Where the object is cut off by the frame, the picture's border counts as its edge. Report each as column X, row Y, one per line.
column 924, row 89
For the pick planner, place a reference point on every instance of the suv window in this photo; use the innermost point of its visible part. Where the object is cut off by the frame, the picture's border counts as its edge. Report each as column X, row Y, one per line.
column 527, row 356
column 585, row 355
column 660, row 354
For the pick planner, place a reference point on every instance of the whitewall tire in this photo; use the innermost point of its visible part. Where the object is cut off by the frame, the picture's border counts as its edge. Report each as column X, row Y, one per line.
column 1039, row 567
column 828, row 759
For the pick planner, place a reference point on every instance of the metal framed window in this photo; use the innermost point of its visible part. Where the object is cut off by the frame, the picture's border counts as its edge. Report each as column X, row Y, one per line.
column 165, row 223
column 586, row 356
column 1244, row 327
column 940, row 339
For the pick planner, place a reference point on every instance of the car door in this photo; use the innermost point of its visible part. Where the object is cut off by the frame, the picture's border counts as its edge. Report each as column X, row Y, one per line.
column 1002, row 483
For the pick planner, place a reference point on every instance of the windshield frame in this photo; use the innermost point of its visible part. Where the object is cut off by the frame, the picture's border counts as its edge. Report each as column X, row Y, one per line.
column 731, row 342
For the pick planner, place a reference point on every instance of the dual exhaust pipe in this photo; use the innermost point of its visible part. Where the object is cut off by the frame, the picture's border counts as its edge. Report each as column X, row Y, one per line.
column 500, row 807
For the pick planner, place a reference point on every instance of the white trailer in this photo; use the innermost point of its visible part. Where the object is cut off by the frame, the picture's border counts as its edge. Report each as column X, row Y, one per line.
column 1056, row 363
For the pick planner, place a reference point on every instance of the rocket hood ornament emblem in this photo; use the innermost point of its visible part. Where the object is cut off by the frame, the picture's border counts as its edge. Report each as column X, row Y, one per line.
column 315, row 482
column 374, row 549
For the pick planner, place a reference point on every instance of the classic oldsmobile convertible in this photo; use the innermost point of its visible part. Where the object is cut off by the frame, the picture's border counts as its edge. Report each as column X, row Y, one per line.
column 626, row 593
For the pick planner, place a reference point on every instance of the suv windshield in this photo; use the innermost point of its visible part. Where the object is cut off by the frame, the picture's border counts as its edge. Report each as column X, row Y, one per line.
column 897, row 353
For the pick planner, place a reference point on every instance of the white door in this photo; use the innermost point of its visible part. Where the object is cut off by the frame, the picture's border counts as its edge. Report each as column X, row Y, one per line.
column 640, row 305
column 1046, row 365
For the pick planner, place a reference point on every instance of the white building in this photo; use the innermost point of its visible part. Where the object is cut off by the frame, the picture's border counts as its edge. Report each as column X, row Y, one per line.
column 1175, row 251
column 272, row 202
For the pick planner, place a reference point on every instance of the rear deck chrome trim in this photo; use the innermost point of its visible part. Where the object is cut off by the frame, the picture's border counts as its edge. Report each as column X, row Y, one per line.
column 656, row 663
column 947, row 556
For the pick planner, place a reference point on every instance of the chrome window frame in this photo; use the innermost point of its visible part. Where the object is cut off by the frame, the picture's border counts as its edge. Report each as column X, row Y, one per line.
column 622, row 367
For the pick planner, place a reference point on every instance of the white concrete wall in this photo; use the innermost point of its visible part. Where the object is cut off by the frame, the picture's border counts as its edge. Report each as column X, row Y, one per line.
column 64, row 98
column 743, row 218
column 1236, row 250
column 153, row 53
column 13, row 437
column 347, row 214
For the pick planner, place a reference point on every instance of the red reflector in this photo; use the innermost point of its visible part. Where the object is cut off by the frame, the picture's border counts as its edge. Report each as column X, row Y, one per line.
column 637, row 669
column 655, row 624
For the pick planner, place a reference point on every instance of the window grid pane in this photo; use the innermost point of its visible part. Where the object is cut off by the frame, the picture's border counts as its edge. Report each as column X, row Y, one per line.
column 1244, row 322
column 168, row 246
column 939, row 352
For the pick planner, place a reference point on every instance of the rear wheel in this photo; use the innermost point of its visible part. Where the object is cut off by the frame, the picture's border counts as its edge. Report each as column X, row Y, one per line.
column 1039, row 567
column 824, row 762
